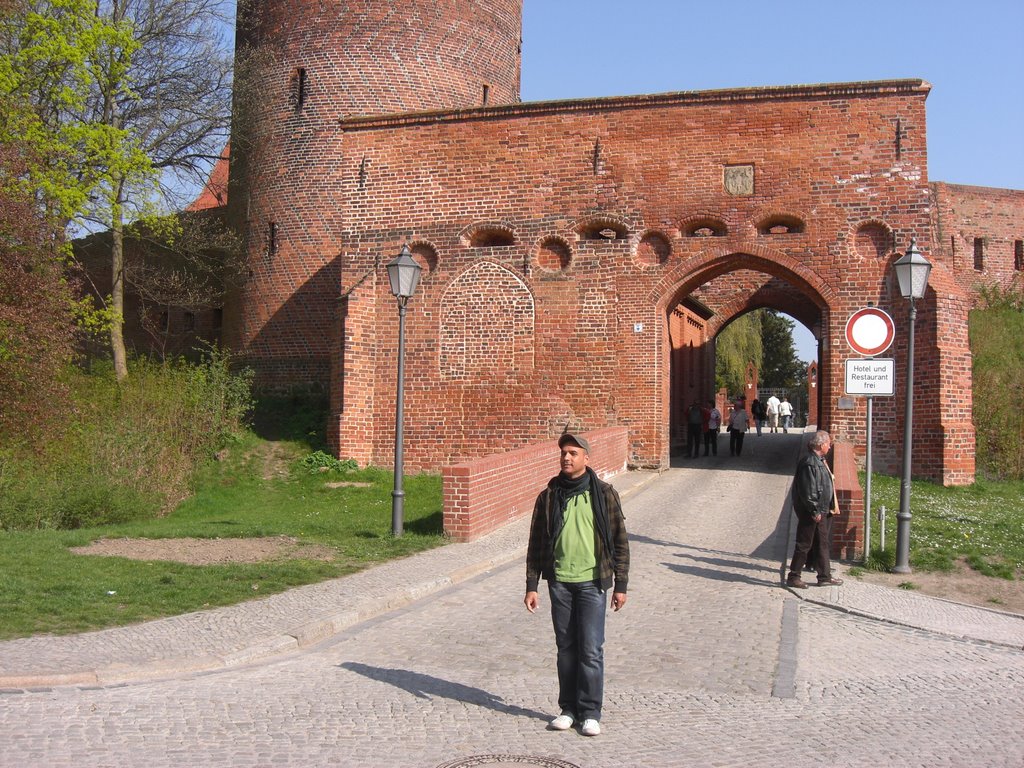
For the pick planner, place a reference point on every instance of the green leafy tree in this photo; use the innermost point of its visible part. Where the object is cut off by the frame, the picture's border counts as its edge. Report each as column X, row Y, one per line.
column 130, row 99
column 781, row 368
column 36, row 338
column 35, row 306
column 738, row 344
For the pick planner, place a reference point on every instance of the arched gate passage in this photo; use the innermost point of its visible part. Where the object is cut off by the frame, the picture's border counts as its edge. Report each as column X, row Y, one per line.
column 719, row 287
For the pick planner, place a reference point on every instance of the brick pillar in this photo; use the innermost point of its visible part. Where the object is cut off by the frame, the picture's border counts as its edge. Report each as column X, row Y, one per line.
column 812, row 393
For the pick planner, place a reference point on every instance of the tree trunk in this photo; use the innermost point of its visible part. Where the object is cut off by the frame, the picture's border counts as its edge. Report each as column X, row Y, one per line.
column 117, row 294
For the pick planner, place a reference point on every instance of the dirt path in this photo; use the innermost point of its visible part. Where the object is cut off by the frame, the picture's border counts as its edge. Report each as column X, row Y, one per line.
column 208, row 551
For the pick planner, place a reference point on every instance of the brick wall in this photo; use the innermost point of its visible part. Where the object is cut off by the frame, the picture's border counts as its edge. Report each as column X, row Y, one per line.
column 612, row 215
column 848, row 525
column 559, row 239
column 486, row 493
column 302, row 65
column 979, row 233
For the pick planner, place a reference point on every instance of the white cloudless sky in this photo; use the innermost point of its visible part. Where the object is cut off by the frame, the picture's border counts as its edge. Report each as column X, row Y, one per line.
column 972, row 54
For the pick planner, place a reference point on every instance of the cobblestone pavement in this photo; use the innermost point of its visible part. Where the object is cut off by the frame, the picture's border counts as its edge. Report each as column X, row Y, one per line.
column 711, row 663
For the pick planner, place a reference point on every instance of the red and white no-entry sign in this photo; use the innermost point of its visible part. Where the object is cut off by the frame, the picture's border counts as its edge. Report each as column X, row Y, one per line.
column 870, row 331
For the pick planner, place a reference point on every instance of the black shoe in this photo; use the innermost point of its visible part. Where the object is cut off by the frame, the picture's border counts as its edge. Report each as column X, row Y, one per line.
column 829, row 581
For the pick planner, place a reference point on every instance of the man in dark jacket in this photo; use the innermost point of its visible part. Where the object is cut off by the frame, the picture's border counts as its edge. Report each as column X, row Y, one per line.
column 813, row 503
column 578, row 544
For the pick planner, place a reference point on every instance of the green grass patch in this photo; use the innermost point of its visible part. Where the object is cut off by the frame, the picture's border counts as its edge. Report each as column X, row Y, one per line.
column 257, row 488
column 980, row 524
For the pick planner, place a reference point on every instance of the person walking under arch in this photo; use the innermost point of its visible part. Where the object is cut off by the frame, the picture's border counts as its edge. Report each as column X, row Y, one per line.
column 578, row 545
column 694, row 429
column 739, row 423
column 712, row 425
column 786, row 414
column 757, row 413
column 771, row 408
column 813, row 497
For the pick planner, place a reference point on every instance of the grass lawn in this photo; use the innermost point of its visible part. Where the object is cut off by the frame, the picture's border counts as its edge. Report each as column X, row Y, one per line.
column 259, row 488
column 981, row 524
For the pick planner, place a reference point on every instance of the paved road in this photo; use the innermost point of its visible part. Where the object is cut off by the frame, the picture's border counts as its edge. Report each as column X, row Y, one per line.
column 711, row 663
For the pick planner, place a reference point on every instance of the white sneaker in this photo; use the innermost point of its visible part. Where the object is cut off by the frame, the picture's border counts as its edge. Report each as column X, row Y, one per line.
column 562, row 723
column 590, row 728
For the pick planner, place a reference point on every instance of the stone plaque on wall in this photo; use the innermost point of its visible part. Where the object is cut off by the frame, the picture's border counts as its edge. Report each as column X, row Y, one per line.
column 739, row 179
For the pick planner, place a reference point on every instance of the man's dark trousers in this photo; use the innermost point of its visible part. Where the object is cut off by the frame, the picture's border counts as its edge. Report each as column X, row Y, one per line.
column 711, row 441
column 578, row 615
column 805, row 539
column 694, row 433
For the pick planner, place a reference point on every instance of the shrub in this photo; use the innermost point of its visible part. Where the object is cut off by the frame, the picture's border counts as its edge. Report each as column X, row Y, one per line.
column 319, row 461
column 997, row 344
column 130, row 450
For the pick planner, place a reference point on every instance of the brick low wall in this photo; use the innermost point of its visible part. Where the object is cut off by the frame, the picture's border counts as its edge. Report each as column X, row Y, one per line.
column 848, row 525
column 484, row 494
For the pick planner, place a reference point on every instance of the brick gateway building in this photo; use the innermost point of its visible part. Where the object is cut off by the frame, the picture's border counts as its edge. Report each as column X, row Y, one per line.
column 579, row 256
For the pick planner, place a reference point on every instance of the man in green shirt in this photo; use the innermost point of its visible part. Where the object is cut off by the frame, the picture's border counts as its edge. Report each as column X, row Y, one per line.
column 578, row 544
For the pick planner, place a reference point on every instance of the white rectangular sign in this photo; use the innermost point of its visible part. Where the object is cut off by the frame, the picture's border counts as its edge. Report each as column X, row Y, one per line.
column 871, row 376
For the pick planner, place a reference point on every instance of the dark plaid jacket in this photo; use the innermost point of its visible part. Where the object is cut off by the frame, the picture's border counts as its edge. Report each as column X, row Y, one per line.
column 540, row 557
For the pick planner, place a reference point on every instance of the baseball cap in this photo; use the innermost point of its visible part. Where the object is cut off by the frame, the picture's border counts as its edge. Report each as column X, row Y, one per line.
column 575, row 440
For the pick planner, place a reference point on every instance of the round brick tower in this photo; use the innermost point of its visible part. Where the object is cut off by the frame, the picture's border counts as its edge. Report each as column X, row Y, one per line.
column 302, row 67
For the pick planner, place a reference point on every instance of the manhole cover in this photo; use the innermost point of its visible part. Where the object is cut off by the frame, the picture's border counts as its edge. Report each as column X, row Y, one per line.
column 499, row 760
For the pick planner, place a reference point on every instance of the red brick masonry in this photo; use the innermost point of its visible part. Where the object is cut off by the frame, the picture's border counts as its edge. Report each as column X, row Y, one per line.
column 484, row 494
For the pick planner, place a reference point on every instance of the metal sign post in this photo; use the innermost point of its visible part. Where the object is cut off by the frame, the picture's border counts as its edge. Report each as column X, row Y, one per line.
column 867, row 487
column 869, row 332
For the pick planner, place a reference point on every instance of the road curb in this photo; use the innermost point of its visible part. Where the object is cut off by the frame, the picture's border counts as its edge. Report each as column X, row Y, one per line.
column 309, row 633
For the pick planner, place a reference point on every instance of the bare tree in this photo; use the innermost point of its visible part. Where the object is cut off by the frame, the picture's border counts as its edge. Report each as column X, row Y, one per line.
column 132, row 101
column 174, row 102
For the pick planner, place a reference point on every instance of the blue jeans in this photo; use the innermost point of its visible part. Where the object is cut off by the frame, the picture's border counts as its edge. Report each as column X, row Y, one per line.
column 577, row 613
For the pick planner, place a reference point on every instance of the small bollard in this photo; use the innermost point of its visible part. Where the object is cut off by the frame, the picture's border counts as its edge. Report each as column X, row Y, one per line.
column 881, row 527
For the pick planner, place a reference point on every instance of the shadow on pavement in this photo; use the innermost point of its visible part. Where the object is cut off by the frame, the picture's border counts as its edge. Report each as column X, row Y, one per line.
column 724, row 563
column 709, row 573
column 776, row 545
column 427, row 687
column 770, row 455
column 723, row 560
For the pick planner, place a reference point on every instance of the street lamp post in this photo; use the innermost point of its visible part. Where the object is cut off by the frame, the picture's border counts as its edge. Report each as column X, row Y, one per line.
column 912, row 270
column 404, row 276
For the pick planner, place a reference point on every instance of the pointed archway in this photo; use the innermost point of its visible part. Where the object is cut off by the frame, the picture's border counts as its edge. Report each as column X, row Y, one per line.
column 703, row 294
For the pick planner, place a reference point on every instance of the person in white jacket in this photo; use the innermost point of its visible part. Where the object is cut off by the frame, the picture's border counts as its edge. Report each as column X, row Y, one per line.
column 739, row 423
column 771, row 409
column 786, row 414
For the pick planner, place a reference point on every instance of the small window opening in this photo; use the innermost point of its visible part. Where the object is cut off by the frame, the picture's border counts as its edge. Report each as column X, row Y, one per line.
column 602, row 230
column 781, row 225
column 705, row 227
column 487, row 94
column 491, row 237
column 1018, row 255
column 272, row 238
column 979, row 253
column 190, row 321
column 298, row 95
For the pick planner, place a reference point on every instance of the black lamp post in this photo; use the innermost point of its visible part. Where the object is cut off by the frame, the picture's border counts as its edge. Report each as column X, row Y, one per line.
column 912, row 270
column 404, row 276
